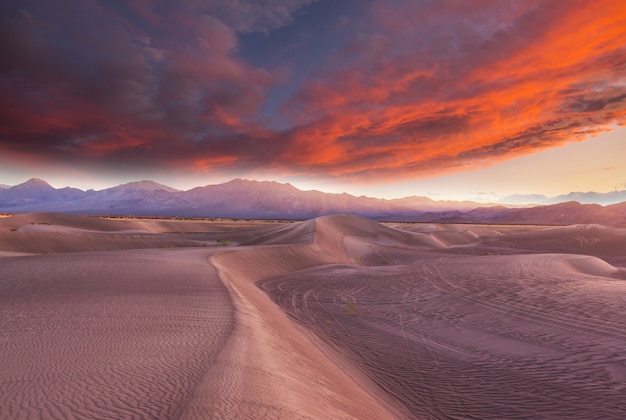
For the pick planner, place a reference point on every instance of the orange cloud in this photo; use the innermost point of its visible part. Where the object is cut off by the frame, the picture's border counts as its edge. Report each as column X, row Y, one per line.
column 401, row 89
column 561, row 85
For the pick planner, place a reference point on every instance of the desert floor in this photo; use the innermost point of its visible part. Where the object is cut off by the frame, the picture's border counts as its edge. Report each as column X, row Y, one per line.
column 336, row 317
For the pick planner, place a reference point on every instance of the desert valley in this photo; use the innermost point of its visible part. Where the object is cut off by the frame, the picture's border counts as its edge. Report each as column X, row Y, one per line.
column 334, row 317
column 313, row 209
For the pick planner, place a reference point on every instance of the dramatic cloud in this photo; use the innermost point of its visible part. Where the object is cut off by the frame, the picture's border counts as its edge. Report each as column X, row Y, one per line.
column 443, row 85
column 387, row 88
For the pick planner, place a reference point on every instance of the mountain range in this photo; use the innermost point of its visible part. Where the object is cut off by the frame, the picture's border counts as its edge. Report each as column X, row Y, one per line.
column 266, row 199
column 589, row 197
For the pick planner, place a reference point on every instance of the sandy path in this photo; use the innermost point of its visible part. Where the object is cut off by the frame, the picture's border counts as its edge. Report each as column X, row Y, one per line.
column 108, row 335
column 527, row 336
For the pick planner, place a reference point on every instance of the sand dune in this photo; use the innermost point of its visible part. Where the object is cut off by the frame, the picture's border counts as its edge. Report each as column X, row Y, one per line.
column 587, row 239
column 42, row 242
column 50, row 233
column 330, row 232
column 272, row 370
column 593, row 266
column 473, row 337
column 336, row 317
column 108, row 335
column 447, row 336
column 121, row 224
column 154, row 333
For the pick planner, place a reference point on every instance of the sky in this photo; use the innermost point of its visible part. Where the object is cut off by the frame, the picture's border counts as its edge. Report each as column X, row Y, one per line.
column 453, row 99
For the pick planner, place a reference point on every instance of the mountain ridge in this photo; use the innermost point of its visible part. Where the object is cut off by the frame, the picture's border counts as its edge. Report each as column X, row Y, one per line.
column 145, row 185
column 242, row 198
column 588, row 197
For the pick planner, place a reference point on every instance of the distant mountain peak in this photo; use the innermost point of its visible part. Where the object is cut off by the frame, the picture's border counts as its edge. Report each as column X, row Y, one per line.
column 38, row 181
column 248, row 183
column 145, row 185
column 35, row 183
column 238, row 181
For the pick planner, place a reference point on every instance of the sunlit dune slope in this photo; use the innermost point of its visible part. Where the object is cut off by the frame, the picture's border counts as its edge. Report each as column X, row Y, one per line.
column 325, row 240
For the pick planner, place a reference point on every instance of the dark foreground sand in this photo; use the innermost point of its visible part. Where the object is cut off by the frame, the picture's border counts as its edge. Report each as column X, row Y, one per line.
column 337, row 317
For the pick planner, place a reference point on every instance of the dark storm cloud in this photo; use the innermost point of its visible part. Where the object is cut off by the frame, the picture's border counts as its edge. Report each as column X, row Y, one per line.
column 83, row 78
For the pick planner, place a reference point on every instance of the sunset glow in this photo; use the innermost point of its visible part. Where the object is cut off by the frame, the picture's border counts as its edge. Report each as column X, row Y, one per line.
column 381, row 97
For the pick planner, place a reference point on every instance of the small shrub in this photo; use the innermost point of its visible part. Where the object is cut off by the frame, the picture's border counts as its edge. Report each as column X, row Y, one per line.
column 352, row 308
